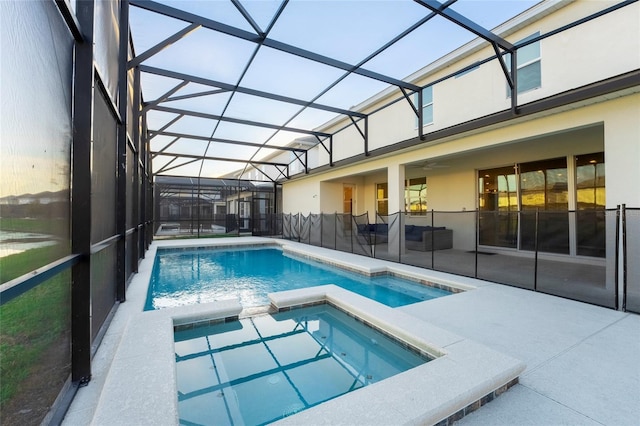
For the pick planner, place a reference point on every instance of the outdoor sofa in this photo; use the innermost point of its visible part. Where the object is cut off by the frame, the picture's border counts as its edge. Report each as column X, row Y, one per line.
column 416, row 237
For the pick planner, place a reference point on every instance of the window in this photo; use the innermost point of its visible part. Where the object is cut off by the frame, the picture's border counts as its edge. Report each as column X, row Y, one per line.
column 498, row 205
column 243, row 208
column 415, row 196
column 529, row 68
column 508, row 212
column 497, row 189
column 543, row 188
column 543, row 185
column 467, row 71
column 295, row 166
column 591, row 219
column 590, row 189
column 427, row 106
column 382, row 199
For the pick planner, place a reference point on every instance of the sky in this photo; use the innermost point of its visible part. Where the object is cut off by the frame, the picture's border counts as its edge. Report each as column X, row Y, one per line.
column 345, row 30
column 348, row 31
column 35, row 94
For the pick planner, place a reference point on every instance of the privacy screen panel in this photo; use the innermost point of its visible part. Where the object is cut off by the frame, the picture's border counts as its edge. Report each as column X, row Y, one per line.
column 103, row 176
column 35, row 130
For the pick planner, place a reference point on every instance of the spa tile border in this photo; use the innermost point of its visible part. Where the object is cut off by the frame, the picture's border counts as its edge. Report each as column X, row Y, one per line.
column 449, row 421
column 203, row 323
column 427, row 283
column 411, row 348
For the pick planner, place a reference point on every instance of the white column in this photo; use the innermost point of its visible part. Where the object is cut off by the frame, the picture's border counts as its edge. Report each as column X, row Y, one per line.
column 622, row 155
column 395, row 182
column 622, row 171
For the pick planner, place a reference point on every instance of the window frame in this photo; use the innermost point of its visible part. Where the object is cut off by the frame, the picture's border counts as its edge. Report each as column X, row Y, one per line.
column 425, row 105
column 294, row 164
column 583, row 215
column 378, row 200
column 407, row 196
column 520, row 66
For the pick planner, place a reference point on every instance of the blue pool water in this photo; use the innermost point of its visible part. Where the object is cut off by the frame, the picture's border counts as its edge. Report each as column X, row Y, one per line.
column 262, row 369
column 198, row 276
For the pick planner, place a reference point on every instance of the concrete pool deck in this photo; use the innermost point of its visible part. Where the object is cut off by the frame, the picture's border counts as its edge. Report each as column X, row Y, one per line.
column 581, row 360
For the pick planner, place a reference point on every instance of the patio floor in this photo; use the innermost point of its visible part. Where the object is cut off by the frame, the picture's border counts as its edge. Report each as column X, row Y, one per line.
column 582, row 360
column 578, row 278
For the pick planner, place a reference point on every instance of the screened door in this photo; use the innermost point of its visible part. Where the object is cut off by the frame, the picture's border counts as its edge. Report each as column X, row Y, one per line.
column 261, row 216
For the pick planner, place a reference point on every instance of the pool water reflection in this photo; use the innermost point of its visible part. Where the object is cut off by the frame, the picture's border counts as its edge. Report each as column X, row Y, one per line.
column 261, row 369
column 14, row 242
column 199, row 276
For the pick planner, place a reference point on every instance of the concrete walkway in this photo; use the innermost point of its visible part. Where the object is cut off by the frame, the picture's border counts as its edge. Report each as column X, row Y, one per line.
column 583, row 361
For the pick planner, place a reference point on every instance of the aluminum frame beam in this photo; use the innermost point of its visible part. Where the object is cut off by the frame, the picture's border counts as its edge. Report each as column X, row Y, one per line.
column 390, row 43
column 364, row 133
column 135, row 143
column 247, row 65
column 178, row 186
column 220, row 140
column 328, row 150
column 231, row 160
column 138, row 59
column 81, row 205
column 238, row 121
column 466, row 23
column 164, row 148
column 164, row 97
column 274, row 44
column 121, row 155
column 18, row 286
column 230, row 87
column 166, row 167
column 264, row 174
column 622, row 82
column 169, row 124
column 499, row 44
column 194, row 95
column 304, row 162
column 496, row 41
column 247, row 16
column 71, row 20
column 281, row 171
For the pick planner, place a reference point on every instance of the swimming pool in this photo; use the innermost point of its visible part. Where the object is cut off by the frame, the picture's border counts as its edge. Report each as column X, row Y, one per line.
column 146, row 359
column 190, row 276
column 261, row 369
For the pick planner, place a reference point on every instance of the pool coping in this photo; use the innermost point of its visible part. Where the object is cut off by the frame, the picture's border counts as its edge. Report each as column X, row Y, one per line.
column 140, row 387
column 462, row 377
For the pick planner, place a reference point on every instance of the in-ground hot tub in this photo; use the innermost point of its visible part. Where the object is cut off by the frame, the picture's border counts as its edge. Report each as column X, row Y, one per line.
column 261, row 369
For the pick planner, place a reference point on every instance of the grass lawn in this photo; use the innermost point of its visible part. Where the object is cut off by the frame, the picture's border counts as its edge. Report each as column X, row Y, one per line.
column 32, row 322
column 19, row 264
column 58, row 227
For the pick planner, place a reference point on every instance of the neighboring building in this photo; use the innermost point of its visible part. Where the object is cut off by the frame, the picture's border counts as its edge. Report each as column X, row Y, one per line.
column 212, row 206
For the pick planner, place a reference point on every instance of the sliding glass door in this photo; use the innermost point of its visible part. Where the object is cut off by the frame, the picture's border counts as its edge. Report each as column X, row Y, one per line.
column 498, row 204
column 544, row 188
column 517, row 202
